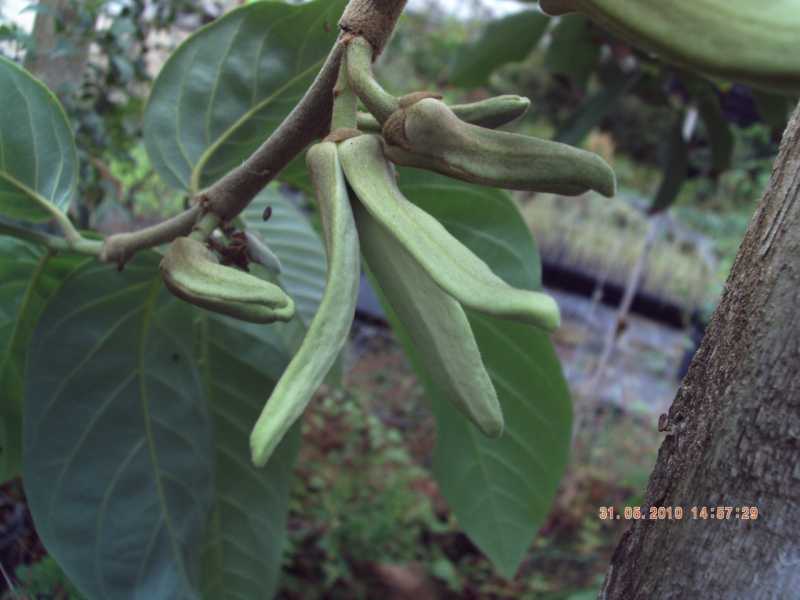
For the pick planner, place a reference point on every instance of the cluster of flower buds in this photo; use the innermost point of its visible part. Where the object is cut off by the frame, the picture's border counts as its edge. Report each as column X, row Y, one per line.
column 426, row 275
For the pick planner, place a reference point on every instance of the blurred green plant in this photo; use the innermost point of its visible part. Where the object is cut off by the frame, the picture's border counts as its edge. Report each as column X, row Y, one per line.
column 42, row 581
column 358, row 499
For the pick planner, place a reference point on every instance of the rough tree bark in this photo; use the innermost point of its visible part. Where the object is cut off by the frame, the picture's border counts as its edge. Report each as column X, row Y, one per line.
column 733, row 432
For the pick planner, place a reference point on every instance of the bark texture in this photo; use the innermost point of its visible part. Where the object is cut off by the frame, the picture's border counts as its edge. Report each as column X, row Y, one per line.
column 57, row 25
column 372, row 19
column 733, row 432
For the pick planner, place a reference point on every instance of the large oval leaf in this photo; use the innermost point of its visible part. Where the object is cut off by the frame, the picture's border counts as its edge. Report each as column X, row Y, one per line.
column 573, row 53
column 225, row 89
column 243, row 546
column 241, row 363
column 38, row 162
column 30, row 276
column 117, row 438
column 500, row 490
column 298, row 246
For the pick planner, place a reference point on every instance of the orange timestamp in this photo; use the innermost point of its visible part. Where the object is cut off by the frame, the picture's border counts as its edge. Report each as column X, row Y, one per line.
column 678, row 513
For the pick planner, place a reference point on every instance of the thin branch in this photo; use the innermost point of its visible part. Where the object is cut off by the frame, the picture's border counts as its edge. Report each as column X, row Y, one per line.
column 309, row 119
column 121, row 247
column 52, row 242
column 375, row 20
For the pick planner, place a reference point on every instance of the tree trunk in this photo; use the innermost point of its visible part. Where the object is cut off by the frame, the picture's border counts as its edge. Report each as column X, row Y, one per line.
column 61, row 47
column 733, row 432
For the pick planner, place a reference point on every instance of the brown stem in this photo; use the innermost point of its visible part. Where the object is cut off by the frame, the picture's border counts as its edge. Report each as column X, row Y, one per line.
column 121, row 247
column 374, row 20
column 308, row 120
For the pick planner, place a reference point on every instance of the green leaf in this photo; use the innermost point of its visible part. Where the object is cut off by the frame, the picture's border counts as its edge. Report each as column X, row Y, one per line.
column 241, row 363
column 675, row 169
column 590, row 114
column 298, row 246
column 773, row 108
column 38, row 161
column 30, row 277
column 228, row 86
column 500, row 490
column 572, row 51
column 243, row 546
column 117, row 437
column 718, row 130
column 475, row 63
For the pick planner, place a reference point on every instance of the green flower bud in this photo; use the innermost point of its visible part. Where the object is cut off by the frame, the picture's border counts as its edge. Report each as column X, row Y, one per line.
column 193, row 273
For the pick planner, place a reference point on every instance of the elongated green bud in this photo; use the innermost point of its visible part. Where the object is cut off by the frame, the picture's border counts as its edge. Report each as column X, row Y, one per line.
column 193, row 273
column 429, row 135
column 438, row 327
column 751, row 41
column 453, row 266
column 328, row 331
column 261, row 253
column 492, row 113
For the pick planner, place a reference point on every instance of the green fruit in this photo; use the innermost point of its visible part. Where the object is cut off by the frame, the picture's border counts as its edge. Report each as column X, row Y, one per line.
column 751, row 41
column 193, row 273
column 328, row 331
column 455, row 268
column 429, row 135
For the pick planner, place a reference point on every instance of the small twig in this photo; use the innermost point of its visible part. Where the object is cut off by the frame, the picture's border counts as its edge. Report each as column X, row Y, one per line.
column 121, row 247
column 634, row 280
column 52, row 242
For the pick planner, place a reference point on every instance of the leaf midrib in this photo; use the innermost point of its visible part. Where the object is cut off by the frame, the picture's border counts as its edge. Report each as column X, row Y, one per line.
column 147, row 319
column 44, row 203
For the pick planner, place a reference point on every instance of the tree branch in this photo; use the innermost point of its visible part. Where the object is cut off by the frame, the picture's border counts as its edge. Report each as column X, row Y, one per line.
column 310, row 119
column 121, row 247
